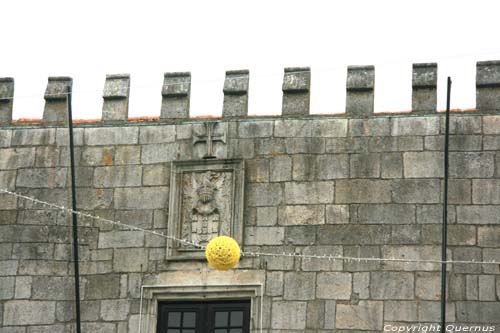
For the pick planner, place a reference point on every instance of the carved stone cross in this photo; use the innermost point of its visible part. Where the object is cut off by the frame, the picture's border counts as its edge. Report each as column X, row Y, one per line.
column 209, row 138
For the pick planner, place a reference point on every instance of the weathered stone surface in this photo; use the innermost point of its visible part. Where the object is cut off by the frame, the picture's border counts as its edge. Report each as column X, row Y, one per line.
column 406, row 234
column 47, row 156
column 365, row 165
column 42, row 178
column 20, row 234
column 155, row 175
column 416, row 191
column 415, row 126
column 491, row 124
column 112, row 310
column 392, row 285
column 267, row 216
column 117, row 239
column 363, row 191
column 300, row 235
column 15, row 158
column 280, row 168
column 352, row 234
column 98, row 327
column 264, row 194
column 65, row 311
column 367, row 315
column 465, row 253
column 491, row 255
column 93, row 156
column 309, row 192
column 329, row 128
column 347, row 145
column 400, row 311
column 369, row 127
column 316, row 264
column 253, row 129
column 337, row 214
column 258, row 170
column 320, row 167
column 8, row 180
column 472, row 287
column 299, row 286
column 330, row 309
column 274, row 283
column 270, row 146
column 429, row 311
column 472, row 165
column 334, row 285
column 396, row 143
column 486, row 191
column 136, row 218
column 5, row 138
column 305, row 145
column 289, row 315
column 118, row 176
column 315, row 314
column 488, row 236
column 361, row 252
column 159, row 153
column 33, row 137
column 491, row 142
column 301, row 215
column 292, row 128
column 487, row 288
column 8, row 267
column 130, row 260
column 264, row 235
column 412, row 252
column 434, row 214
column 33, row 251
column 427, row 286
column 29, row 313
column 478, row 312
column 386, row 213
column 127, row 155
column 141, row 198
column 156, row 134
column 53, row 288
column 62, row 136
column 90, row 199
column 102, row 136
column 456, row 142
column 478, row 214
column 423, row 165
column 7, row 287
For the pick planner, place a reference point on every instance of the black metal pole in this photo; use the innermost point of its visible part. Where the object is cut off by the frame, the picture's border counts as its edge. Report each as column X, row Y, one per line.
column 74, row 215
column 445, row 208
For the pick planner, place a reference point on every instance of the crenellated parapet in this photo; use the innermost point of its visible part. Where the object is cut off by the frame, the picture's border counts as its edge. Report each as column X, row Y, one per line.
column 296, row 90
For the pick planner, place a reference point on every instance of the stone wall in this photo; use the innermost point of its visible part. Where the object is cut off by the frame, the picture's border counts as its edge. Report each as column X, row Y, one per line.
column 357, row 184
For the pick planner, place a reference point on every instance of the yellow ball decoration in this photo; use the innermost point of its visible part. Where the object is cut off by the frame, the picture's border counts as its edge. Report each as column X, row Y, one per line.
column 223, row 253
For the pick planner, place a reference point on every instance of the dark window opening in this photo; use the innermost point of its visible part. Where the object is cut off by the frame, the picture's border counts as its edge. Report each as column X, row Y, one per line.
column 204, row 317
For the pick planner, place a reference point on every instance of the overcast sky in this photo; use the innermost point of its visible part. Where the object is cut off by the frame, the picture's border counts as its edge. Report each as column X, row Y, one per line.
column 88, row 39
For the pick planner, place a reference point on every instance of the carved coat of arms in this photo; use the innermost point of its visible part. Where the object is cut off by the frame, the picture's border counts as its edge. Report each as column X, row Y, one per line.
column 206, row 200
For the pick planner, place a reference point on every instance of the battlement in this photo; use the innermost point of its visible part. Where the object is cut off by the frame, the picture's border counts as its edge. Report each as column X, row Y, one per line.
column 176, row 91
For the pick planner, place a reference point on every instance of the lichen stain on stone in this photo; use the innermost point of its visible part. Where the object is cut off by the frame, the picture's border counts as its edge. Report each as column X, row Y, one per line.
column 107, row 158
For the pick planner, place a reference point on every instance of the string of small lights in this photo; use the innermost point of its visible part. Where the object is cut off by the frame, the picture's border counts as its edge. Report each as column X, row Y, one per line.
column 248, row 253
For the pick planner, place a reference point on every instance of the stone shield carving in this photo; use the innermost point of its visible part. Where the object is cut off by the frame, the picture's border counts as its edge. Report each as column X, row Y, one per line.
column 206, row 200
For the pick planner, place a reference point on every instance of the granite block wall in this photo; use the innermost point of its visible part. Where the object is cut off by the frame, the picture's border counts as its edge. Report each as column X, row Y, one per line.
column 357, row 184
